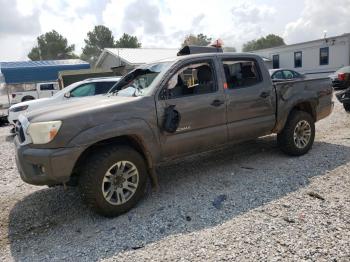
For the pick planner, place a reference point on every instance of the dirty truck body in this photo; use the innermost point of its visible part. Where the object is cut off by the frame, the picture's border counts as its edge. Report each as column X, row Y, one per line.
column 190, row 104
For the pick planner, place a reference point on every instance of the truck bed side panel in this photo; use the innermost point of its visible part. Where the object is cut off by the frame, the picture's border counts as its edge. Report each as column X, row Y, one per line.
column 317, row 93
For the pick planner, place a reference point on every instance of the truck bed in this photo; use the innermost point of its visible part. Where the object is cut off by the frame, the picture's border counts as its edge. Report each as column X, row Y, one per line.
column 317, row 91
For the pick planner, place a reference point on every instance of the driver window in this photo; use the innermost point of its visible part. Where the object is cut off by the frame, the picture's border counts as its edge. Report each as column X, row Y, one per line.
column 193, row 79
column 288, row 74
column 84, row 90
column 44, row 87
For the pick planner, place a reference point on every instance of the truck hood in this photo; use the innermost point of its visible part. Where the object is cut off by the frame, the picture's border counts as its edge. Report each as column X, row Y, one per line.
column 65, row 110
column 87, row 113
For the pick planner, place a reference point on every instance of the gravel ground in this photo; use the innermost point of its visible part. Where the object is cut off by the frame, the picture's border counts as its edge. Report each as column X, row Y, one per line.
column 250, row 202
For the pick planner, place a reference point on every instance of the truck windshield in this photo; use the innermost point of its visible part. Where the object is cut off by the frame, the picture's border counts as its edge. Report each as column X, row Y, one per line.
column 140, row 81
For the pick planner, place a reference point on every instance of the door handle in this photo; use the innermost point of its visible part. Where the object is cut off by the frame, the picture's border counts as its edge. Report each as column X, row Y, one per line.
column 217, row 102
column 265, row 94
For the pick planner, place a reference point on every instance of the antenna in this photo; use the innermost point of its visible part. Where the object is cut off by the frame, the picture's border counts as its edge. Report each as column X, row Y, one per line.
column 324, row 34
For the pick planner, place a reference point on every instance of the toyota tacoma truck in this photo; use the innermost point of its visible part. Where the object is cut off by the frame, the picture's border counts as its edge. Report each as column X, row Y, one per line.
column 201, row 100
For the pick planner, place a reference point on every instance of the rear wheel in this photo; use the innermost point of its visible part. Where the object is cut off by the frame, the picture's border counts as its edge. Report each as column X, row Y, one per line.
column 113, row 180
column 298, row 135
column 27, row 98
column 346, row 107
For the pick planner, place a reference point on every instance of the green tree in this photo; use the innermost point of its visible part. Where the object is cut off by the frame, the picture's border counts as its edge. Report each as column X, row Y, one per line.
column 127, row 41
column 268, row 41
column 97, row 39
column 52, row 45
column 200, row 40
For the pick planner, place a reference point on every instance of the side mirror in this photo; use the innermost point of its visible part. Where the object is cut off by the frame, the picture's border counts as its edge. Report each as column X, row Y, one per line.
column 172, row 119
column 67, row 95
column 172, row 82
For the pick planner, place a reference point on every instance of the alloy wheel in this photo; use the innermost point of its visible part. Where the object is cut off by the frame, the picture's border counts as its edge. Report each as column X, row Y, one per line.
column 302, row 134
column 120, row 182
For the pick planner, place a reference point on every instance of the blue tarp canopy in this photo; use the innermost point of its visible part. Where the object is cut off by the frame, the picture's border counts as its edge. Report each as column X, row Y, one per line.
column 38, row 71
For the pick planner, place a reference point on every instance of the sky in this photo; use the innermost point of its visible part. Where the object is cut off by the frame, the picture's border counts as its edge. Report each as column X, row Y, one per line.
column 165, row 23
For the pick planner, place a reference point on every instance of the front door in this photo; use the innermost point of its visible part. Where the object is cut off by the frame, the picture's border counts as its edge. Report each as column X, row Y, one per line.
column 194, row 93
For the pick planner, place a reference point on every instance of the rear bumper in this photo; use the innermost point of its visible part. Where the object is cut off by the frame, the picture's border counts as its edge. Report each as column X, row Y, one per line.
column 337, row 84
column 344, row 96
column 45, row 166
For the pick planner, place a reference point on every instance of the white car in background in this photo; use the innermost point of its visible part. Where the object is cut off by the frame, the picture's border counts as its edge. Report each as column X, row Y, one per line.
column 40, row 90
column 88, row 87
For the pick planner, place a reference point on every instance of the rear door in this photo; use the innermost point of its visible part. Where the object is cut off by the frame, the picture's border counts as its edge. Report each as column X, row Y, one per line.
column 250, row 99
column 194, row 92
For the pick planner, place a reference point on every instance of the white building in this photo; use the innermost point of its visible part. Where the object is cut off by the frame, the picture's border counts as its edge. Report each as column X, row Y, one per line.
column 132, row 57
column 319, row 57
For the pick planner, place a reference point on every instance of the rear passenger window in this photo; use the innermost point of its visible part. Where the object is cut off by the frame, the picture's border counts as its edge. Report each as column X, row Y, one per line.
column 44, row 87
column 296, row 74
column 240, row 74
column 288, row 74
column 278, row 75
column 193, row 79
column 103, row 87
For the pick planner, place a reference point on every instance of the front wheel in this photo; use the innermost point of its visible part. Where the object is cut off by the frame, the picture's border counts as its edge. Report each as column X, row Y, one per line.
column 297, row 137
column 113, row 180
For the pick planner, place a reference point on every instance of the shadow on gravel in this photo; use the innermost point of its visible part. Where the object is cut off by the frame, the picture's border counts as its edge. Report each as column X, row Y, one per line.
column 195, row 194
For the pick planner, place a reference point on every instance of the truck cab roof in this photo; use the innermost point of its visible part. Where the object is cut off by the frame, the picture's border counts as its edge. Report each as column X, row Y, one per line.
column 102, row 79
column 225, row 55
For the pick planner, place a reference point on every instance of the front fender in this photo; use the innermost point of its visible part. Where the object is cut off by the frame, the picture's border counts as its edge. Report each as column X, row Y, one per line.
column 138, row 128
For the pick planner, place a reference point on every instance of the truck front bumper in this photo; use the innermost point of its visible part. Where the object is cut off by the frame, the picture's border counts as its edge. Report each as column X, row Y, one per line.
column 45, row 166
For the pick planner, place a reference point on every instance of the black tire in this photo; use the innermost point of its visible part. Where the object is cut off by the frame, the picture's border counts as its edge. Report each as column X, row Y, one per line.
column 27, row 98
column 286, row 140
column 347, row 107
column 93, row 171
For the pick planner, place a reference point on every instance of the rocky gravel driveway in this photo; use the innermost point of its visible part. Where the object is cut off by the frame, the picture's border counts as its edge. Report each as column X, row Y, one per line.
column 246, row 203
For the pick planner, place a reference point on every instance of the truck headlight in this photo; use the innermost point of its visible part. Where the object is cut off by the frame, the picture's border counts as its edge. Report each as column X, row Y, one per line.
column 18, row 108
column 43, row 132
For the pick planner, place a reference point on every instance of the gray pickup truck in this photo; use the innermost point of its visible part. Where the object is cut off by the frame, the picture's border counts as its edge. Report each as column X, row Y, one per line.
column 111, row 145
